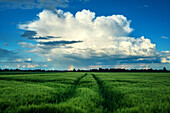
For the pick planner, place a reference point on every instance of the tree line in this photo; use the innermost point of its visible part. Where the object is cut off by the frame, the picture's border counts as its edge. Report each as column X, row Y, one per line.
column 91, row 70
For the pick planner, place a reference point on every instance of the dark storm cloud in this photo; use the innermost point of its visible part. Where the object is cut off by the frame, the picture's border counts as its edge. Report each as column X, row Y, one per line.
column 52, row 37
column 5, row 44
column 4, row 53
column 46, row 47
column 141, row 61
column 136, row 59
column 30, row 4
column 30, row 35
column 7, row 54
column 39, row 38
column 28, row 61
column 113, row 60
column 59, row 43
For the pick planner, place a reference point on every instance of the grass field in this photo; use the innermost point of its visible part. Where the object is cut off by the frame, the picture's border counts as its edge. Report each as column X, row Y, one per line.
column 71, row 92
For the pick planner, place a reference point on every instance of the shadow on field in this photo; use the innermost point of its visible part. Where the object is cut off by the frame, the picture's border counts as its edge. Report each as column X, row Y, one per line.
column 112, row 99
column 36, row 80
column 25, row 80
column 127, row 81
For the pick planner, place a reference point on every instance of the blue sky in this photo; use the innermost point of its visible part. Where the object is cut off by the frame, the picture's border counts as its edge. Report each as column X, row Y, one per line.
column 95, row 33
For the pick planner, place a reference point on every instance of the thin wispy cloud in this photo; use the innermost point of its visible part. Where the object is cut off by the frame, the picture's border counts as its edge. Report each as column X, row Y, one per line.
column 164, row 37
column 31, row 4
column 39, row 4
column 145, row 5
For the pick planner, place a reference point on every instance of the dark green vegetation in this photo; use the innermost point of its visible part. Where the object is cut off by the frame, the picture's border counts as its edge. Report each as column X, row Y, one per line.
column 85, row 92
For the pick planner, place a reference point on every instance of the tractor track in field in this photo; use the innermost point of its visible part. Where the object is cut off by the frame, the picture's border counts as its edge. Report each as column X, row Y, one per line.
column 71, row 92
column 111, row 99
column 76, row 82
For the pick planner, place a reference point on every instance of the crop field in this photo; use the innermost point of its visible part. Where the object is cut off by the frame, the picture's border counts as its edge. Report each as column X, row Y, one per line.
column 80, row 92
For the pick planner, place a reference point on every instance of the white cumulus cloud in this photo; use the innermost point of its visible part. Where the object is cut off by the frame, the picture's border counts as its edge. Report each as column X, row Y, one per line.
column 84, row 35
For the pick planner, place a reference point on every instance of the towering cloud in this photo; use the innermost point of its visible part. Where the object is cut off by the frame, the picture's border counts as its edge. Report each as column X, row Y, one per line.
column 86, row 36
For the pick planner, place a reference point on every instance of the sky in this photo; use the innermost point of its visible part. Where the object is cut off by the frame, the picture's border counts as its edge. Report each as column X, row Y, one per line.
column 84, row 34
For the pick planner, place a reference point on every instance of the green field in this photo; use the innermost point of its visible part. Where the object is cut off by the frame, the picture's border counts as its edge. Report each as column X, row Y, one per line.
column 69, row 92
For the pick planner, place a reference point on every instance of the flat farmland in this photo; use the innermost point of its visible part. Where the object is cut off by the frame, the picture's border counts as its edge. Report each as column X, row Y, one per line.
column 80, row 92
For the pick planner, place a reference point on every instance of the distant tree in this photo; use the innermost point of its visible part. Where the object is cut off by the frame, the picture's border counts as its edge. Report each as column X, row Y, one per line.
column 164, row 69
column 74, row 70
